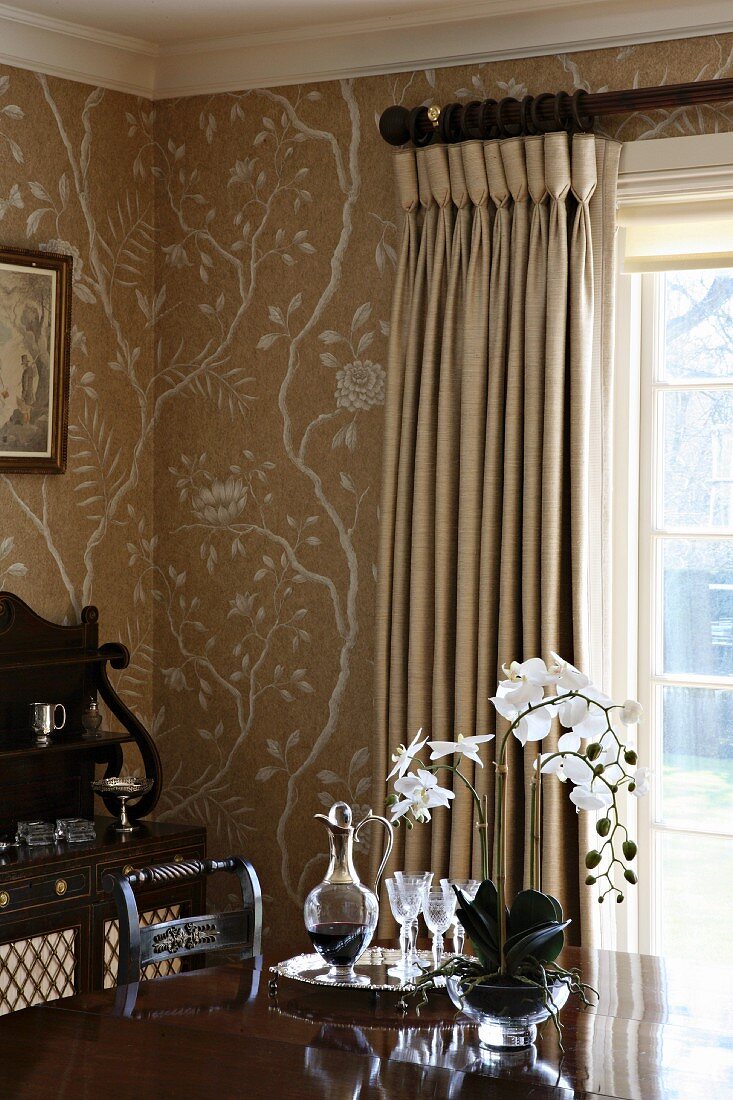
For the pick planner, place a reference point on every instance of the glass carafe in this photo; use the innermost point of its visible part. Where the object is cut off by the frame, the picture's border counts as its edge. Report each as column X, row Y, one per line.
column 340, row 912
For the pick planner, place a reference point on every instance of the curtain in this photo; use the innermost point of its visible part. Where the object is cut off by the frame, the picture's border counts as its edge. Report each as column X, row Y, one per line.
column 494, row 502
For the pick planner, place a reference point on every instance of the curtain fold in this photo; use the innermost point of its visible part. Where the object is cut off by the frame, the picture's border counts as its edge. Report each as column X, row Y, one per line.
column 494, row 496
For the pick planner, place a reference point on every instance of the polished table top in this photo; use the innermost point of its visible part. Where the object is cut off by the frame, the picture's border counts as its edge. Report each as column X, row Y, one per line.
column 661, row 1031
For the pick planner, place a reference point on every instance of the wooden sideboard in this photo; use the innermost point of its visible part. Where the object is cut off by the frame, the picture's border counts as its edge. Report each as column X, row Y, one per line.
column 58, row 930
column 58, row 933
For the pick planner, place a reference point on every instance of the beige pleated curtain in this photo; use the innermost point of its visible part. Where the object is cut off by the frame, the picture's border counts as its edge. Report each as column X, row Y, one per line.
column 494, row 499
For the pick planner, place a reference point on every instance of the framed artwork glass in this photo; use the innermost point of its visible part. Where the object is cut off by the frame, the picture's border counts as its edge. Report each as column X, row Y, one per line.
column 35, row 332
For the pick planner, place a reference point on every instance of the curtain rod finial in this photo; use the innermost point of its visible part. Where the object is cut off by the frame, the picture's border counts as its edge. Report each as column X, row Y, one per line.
column 393, row 125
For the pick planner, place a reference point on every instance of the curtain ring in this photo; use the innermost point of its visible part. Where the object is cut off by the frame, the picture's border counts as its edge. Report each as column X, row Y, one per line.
column 487, row 123
column 471, row 120
column 540, row 126
column 449, row 125
column 501, row 106
column 414, row 119
column 525, row 112
column 561, row 99
column 583, row 124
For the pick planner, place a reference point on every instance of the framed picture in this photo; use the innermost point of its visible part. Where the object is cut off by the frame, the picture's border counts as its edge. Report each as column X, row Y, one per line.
column 35, row 331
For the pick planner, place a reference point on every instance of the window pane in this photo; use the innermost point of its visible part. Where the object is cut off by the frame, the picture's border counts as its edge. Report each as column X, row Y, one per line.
column 697, row 579
column 698, row 324
column 696, row 892
column 697, row 479
column 697, row 747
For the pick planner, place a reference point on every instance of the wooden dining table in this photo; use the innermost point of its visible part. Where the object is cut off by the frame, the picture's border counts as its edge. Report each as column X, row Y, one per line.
column 661, row 1030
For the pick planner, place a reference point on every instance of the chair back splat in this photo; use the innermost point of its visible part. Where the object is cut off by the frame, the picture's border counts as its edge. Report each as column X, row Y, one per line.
column 240, row 930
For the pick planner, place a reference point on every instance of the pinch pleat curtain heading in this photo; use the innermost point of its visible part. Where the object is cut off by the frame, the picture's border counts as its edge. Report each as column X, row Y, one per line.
column 495, row 498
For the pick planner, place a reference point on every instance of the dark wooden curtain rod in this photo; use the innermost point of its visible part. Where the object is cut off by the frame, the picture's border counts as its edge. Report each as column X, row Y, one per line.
column 549, row 111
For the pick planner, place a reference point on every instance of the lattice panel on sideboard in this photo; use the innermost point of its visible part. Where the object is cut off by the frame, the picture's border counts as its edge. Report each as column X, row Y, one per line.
column 112, row 946
column 37, row 969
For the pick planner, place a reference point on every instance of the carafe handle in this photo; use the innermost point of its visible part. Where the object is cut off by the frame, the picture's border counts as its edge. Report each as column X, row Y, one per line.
column 390, row 841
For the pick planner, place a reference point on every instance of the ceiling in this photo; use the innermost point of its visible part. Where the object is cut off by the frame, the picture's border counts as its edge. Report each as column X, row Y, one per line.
column 163, row 48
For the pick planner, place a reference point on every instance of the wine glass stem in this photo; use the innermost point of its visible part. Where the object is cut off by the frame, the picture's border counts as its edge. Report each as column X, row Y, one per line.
column 411, row 941
column 437, row 949
column 459, row 937
column 404, row 940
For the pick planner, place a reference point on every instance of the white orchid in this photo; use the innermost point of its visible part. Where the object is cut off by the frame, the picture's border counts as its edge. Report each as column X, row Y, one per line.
column 531, row 725
column 402, row 757
column 422, row 794
column 642, row 782
column 585, row 798
column 566, row 675
column 464, row 746
column 593, row 756
column 631, row 712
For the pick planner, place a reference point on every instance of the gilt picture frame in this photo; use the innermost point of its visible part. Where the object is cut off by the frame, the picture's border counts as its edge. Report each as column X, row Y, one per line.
column 35, row 334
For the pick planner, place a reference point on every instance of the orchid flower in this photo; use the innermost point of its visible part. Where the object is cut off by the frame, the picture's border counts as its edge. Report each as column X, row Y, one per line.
column 642, row 782
column 402, row 756
column 586, row 799
column 422, row 794
column 566, row 675
column 464, row 746
column 631, row 712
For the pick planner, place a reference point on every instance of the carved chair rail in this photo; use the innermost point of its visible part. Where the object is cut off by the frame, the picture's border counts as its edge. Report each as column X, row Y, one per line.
column 240, row 930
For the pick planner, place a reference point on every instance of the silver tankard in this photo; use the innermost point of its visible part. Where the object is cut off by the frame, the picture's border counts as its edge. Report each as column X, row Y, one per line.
column 43, row 720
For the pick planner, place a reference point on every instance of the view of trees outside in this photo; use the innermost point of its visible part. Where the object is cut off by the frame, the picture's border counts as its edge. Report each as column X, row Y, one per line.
column 696, row 496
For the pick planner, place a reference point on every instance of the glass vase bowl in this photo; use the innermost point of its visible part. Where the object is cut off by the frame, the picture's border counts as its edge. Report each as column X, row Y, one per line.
column 507, row 1011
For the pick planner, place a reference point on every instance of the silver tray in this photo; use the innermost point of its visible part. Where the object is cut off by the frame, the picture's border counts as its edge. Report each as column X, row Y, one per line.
column 374, row 964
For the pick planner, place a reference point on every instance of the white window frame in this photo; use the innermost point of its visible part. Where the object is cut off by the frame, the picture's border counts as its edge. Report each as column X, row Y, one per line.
column 650, row 171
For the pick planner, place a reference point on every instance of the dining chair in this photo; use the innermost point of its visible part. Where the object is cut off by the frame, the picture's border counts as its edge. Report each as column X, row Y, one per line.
column 239, row 931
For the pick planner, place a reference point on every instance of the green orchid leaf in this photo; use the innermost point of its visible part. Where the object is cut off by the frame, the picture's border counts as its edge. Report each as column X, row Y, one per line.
column 488, row 923
column 530, row 908
column 486, row 950
column 544, row 943
column 487, row 898
column 557, row 907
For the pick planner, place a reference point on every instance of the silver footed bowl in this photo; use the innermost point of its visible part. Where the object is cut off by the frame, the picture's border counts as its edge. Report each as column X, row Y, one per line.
column 130, row 785
column 123, row 787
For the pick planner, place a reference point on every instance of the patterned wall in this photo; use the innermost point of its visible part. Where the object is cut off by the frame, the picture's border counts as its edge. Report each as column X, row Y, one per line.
column 72, row 179
column 248, row 367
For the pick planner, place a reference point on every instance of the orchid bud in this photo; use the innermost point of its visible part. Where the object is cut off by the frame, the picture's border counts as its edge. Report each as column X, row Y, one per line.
column 629, row 849
column 590, row 880
column 592, row 859
column 593, row 751
column 630, row 756
column 619, row 899
column 630, row 876
column 603, row 827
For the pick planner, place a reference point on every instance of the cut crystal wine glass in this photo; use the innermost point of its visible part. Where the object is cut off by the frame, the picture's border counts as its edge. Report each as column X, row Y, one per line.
column 405, row 900
column 426, row 877
column 439, row 907
column 469, row 887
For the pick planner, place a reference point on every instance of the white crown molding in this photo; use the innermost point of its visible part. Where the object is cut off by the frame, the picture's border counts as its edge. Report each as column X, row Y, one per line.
column 466, row 36
column 58, row 48
column 462, row 33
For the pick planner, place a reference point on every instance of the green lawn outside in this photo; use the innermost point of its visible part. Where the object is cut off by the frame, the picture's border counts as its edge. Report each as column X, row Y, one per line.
column 697, row 871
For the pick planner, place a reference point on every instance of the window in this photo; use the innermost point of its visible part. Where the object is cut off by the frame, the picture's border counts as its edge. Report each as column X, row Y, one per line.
column 685, row 608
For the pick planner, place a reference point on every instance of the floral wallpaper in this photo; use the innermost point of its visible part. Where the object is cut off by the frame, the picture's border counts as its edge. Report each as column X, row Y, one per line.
column 70, row 181
column 234, row 261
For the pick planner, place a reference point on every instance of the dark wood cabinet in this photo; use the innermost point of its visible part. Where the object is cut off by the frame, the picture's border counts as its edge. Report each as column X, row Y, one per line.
column 58, row 930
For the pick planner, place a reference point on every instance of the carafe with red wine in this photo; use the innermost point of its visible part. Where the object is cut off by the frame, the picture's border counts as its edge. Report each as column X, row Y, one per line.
column 340, row 912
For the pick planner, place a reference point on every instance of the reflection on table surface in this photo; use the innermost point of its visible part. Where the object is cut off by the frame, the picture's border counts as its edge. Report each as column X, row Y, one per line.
column 661, row 1030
